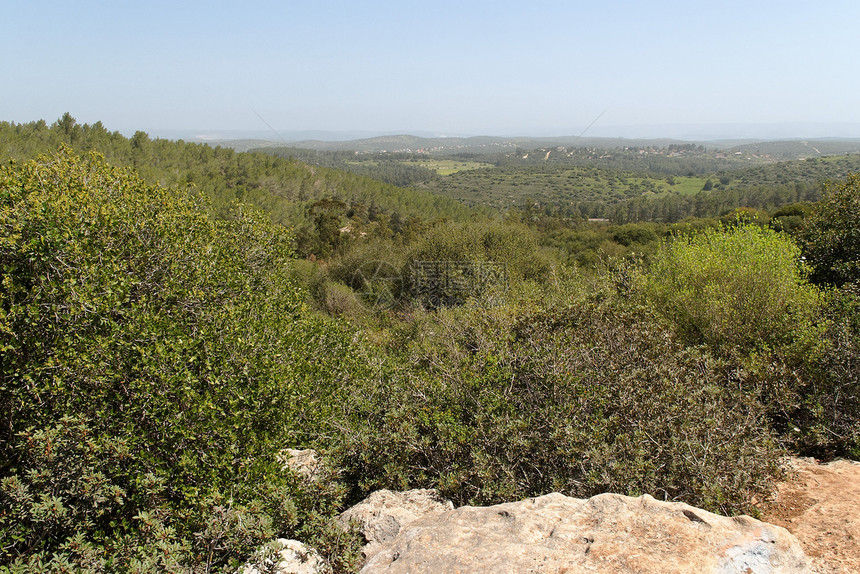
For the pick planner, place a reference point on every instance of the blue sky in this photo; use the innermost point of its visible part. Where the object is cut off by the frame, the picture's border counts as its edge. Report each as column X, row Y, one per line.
column 506, row 68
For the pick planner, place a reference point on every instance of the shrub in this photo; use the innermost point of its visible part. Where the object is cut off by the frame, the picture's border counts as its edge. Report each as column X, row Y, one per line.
column 740, row 288
column 634, row 234
column 493, row 405
column 373, row 269
column 511, row 247
column 831, row 236
column 182, row 353
column 826, row 419
column 341, row 300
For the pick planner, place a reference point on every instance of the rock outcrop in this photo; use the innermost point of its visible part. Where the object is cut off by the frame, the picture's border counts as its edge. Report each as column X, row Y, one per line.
column 306, row 462
column 292, row 557
column 418, row 531
column 384, row 513
column 608, row 533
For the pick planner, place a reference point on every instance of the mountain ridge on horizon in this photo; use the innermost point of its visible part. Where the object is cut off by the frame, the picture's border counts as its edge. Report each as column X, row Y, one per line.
column 599, row 137
column 481, row 145
column 686, row 133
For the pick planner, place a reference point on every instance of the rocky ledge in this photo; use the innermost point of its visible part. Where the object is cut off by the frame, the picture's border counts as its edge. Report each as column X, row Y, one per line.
column 608, row 533
column 419, row 532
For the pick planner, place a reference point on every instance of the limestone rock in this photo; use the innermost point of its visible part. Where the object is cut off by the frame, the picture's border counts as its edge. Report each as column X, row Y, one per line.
column 292, row 558
column 608, row 533
column 304, row 462
column 383, row 514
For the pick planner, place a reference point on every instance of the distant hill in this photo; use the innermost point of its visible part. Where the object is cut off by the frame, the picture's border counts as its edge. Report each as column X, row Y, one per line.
column 474, row 145
column 237, row 145
column 799, row 149
column 487, row 145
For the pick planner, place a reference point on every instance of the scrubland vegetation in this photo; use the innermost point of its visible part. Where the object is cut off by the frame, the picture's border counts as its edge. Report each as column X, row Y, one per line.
column 161, row 342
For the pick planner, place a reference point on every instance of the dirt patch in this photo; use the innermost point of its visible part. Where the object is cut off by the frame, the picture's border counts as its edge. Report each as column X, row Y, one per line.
column 820, row 505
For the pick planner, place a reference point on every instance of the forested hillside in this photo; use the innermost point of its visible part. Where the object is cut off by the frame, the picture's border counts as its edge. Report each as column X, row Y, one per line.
column 501, row 146
column 284, row 189
column 629, row 184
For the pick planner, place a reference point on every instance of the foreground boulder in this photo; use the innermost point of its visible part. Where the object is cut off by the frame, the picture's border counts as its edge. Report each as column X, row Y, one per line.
column 609, row 533
column 382, row 515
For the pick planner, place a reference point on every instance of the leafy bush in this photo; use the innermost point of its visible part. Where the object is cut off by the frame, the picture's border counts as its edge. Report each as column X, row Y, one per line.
column 512, row 247
column 831, row 235
column 790, row 218
column 839, row 374
column 825, row 418
column 373, row 269
column 493, row 405
column 742, row 291
column 153, row 361
column 740, row 288
column 634, row 234
column 341, row 300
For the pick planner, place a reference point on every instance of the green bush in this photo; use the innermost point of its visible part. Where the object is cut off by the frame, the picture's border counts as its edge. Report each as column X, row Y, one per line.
column 512, row 249
column 831, row 235
column 825, row 420
column 153, row 362
column 638, row 234
column 341, row 300
column 496, row 404
column 736, row 289
column 839, row 374
column 373, row 269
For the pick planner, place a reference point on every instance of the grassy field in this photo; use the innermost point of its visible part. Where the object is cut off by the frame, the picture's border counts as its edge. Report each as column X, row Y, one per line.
column 448, row 166
column 688, row 185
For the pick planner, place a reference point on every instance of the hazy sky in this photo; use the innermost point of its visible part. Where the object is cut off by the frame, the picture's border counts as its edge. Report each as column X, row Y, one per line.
column 545, row 67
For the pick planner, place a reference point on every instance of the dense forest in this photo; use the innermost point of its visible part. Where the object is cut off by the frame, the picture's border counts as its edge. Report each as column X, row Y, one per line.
column 284, row 189
column 624, row 185
column 173, row 315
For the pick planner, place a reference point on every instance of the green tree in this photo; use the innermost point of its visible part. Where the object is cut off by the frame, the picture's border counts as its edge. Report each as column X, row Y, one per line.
column 831, row 234
column 327, row 220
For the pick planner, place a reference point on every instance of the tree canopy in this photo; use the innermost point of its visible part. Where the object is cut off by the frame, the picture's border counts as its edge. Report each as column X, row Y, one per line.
column 831, row 237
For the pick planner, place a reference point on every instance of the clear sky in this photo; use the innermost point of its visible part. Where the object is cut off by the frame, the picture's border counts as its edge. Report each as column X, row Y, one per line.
column 465, row 67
